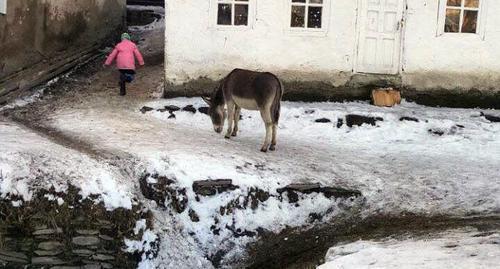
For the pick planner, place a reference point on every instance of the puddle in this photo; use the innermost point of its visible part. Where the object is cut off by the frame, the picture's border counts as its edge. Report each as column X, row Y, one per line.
column 141, row 17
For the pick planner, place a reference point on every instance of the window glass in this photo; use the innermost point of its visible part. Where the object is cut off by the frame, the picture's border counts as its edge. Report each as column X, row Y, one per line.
column 461, row 16
column 306, row 14
column 232, row 12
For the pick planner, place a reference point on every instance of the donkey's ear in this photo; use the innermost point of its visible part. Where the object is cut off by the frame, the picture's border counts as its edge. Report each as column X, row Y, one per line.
column 207, row 100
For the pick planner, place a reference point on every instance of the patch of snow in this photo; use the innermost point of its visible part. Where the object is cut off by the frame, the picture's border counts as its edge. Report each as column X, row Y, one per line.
column 30, row 162
column 453, row 249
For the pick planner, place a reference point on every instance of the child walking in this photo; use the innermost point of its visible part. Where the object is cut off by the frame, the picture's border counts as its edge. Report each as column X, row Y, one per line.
column 125, row 54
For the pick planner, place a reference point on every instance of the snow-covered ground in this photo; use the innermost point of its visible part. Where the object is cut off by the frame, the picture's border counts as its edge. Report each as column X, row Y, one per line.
column 458, row 249
column 399, row 166
column 29, row 162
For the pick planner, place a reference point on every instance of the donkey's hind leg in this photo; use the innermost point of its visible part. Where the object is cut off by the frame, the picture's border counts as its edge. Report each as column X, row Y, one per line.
column 230, row 119
column 266, row 116
column 273, row 141
column 237, row 112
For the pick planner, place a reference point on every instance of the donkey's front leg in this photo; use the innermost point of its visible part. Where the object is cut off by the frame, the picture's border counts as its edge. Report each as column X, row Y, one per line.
column 237, row 112
column 230, row 119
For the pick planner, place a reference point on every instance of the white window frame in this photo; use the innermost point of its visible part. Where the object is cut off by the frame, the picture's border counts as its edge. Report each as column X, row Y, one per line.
column 325, row 19
column 214, row 9
column 481, row 19
column 3, row 7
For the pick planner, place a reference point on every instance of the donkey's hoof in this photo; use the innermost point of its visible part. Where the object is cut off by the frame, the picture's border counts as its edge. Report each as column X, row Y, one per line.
column 227, row 137
column 272, row 147
column 264, row 149
column 234, row 134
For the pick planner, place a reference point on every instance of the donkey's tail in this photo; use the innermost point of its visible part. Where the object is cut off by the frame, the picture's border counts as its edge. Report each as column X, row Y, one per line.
column 276, row 107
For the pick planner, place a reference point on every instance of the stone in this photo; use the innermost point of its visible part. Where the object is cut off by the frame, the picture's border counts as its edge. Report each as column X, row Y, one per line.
column 47, row 231
column 212, row 187
column 83, row 252
column 66, row 267
column 193, row 216
column 47, row 261
column 308, row 188
column 105, row 237
column 340, row 122
column 106, row 265
column 48, row 252
column 87, row 232
column 85, row 240
column 145, row 109
column 491, row 118
column 50, row 245
column 11, row 256
column 408, row 119
column 203, row 110
column 309, row 111
column 172, row 108
column 172, row 116
column 92, row 266
column 323, row 120
column 102, row 257
column 189, row 108
column 437, row 132
column 359, row 120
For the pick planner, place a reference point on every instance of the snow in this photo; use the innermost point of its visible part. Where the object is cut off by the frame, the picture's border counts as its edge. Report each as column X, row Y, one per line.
column 30, row 162
column 398, row 165
column 453, row 249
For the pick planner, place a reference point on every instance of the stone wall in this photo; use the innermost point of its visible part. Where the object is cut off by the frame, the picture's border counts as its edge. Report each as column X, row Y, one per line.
column 37, row 38
column 45, row 233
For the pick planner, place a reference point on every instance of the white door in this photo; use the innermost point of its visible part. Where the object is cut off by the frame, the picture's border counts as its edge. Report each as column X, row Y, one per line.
column 380, row 26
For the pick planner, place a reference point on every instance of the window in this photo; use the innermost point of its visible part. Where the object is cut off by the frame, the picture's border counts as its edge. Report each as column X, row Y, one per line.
column 3, row 6
column 232, row 12
column 462, row 16
column 307, row 14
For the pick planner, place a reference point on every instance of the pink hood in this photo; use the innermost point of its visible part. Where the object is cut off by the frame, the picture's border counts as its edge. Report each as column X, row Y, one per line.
column 124, row 53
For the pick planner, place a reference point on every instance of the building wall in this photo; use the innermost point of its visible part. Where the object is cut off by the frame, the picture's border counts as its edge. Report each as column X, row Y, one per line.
column 198, row 53
column 34, row 31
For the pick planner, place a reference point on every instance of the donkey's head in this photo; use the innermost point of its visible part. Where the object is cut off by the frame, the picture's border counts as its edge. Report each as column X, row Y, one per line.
column 216, row 110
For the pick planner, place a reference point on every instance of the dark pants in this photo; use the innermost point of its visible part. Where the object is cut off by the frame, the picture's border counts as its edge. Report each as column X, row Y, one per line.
column 126, row 76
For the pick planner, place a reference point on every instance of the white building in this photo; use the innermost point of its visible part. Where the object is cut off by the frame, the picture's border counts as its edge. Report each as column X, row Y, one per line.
column 336, row 47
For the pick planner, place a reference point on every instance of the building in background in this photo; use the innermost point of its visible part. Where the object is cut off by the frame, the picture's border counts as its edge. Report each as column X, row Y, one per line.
column 42, row 38
column 438, row 52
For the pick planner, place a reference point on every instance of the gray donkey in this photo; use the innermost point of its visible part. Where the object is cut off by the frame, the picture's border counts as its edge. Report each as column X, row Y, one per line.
column 249, row 90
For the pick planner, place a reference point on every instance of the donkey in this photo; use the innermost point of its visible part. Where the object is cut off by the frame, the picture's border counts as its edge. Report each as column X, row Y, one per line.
column 249, row 90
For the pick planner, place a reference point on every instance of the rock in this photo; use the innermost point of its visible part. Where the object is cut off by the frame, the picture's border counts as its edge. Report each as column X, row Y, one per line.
column 85, row 240
column 193, row 216
column 105, row 237
column 408, row 119
column 50, row 245
column 92, row 266
column 317, row 188
column 172, row 116
column 491, row 118
column 47, row 231
column 11, row 256
column 323, row 120
column 359, row 120
column 212, row 187
column 102, row 257
column 48, row 252
column 189, row 108
column 47, row 261
column 309, row 111
column 340, row 122
column 145, row 109
column 66, row 267
column 161, row 191
column 106, row 265
column 87, row 232
column 83, row 252
column 203, row 109
column 171, row 108
column 436, row 132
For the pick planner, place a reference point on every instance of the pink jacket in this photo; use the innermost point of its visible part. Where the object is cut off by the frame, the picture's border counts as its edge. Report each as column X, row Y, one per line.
column 124, row 53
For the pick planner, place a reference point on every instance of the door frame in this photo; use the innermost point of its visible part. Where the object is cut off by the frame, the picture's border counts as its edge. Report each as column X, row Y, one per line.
column 401, row 42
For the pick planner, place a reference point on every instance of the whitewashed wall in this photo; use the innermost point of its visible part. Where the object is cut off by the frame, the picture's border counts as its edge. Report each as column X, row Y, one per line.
column 196, row 48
